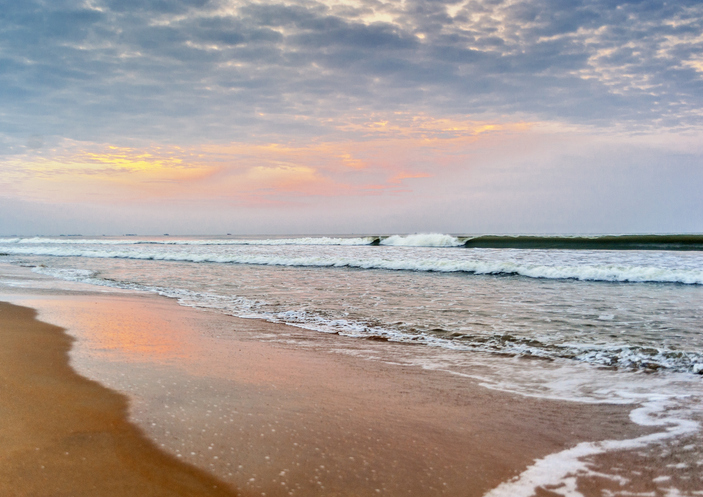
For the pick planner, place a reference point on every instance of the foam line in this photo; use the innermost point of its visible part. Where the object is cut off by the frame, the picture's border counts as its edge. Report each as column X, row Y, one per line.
column 559, row 471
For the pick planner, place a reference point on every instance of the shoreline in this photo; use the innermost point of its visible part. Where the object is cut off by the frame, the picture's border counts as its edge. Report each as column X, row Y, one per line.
column 63, row 434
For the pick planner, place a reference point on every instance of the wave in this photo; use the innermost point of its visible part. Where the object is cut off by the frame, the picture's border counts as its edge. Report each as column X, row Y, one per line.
column 323, row 240
column 585, row 272
column 621, row 356
column 555, row 242
column 421, row 240
column 595, row 242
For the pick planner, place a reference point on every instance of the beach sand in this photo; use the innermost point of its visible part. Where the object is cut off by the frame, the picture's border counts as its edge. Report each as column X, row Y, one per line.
column 267, row 409
column 62, row 434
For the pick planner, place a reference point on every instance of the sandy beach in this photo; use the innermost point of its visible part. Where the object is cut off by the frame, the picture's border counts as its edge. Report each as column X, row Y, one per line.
column 258, row 407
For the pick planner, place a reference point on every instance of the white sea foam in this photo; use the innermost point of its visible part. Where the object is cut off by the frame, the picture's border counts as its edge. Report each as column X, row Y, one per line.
column 592, row 271
column 422, row 240
column 559, row 471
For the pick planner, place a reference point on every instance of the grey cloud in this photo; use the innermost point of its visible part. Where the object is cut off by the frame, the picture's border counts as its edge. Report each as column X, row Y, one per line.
column 375, row 37
column 156, row 6
column 188, row 70
column 230, row 32
column 311, row 16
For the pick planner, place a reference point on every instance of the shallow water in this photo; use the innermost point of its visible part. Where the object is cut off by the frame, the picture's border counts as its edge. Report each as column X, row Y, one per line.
column 628, row 309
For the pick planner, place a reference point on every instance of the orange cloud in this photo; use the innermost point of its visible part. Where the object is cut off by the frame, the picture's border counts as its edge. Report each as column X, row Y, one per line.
column 94, row 171
column 374, row 154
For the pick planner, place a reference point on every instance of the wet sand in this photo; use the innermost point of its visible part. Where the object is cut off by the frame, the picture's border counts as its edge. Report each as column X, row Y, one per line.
column 269, row 409
column 62, row 434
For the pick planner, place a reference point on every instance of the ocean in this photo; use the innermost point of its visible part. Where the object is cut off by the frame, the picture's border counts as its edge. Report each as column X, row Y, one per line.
column 586, row 319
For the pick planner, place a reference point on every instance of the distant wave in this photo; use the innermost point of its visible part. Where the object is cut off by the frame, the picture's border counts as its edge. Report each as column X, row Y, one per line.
column 323, row 240
column 619, row 355
column 416, row 240
column 421, row 240
column 584, row 272
column 576, row 242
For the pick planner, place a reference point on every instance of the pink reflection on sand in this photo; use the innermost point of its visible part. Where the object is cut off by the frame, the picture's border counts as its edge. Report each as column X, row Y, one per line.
column 119, row 331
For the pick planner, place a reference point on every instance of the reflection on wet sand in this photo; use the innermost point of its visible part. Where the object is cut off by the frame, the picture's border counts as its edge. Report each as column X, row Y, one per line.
column 292, row 417
column 63, row 434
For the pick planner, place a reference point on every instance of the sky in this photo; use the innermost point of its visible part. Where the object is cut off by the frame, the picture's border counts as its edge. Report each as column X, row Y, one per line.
column 350, row 116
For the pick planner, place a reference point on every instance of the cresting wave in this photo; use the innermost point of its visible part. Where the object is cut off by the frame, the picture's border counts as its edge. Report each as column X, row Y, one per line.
column 585, row 272
column 416, row 240
column 421, row 240
column 594, row 242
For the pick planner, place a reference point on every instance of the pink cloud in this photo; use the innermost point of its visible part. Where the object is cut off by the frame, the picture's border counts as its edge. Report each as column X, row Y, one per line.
column 373, row 156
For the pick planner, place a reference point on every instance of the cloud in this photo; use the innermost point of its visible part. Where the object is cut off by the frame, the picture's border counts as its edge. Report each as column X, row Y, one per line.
column 390, row 149
column 219, row 70
column 409, row 107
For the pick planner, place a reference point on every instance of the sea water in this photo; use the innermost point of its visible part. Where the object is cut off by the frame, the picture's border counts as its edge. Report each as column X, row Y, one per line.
column 608, row 325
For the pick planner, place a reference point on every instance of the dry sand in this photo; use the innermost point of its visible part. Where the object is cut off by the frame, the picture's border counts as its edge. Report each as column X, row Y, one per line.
column 267, row 415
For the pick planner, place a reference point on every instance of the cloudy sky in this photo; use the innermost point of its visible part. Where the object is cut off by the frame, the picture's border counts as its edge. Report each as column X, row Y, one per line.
column 341, row 116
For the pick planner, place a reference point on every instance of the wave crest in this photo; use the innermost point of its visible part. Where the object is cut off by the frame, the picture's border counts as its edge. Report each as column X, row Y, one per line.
column 422, row 240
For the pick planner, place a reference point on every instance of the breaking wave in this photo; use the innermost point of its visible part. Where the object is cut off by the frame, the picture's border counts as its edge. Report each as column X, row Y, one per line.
column 421, row 240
